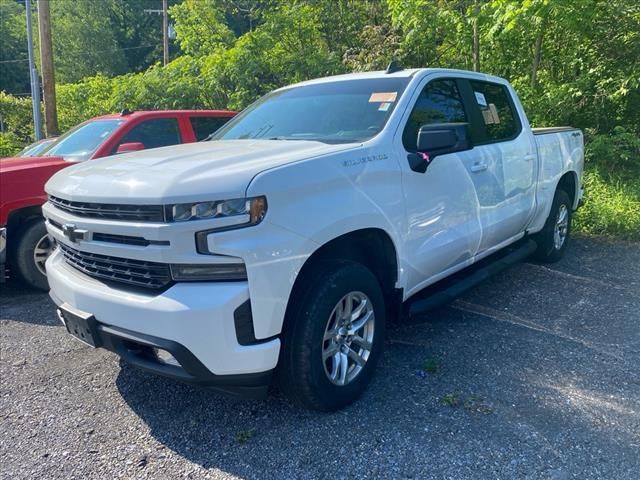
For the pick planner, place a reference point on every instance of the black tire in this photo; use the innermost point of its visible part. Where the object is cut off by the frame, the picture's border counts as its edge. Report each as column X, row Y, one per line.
column 548, row 250
column 24, row 262
column 301, row 370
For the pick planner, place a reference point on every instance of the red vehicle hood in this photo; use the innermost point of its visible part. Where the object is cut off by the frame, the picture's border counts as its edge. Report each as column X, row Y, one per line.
column 22, row 182
column 23, row 163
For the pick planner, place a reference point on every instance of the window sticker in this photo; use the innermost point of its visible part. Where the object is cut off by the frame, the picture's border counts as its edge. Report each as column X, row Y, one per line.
column 383, row 97
column 480, row 99
column 491, row 115
column 384, row 106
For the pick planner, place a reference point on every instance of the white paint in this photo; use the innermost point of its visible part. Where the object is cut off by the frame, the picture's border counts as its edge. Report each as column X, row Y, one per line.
column 465, row 206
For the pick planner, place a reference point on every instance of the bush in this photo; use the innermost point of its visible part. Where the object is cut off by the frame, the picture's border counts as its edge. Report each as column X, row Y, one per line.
column 10, row 144
column 615, row 155
column 611, row 207
column 17, row 118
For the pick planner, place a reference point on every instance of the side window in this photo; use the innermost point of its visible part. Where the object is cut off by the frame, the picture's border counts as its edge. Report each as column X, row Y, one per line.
column 439, row 102
column 205, row 126
column 158, row 132
column 500, row 120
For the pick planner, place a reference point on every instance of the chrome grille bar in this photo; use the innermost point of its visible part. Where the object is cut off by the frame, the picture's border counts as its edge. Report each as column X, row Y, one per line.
column 136, row 213
column 139, row 273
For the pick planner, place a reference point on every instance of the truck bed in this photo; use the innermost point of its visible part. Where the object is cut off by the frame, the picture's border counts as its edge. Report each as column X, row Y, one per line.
column 545, row 130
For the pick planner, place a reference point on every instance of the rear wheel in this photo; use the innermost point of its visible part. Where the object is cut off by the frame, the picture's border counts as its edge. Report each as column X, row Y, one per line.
column 32, row 250
column 552, row 240
column 334, row 337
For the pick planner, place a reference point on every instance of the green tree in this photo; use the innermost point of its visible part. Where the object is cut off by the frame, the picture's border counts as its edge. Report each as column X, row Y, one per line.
column 138, row 33
column 288, row 47
column 84, row 42
column 14, row 65
column 200, row 27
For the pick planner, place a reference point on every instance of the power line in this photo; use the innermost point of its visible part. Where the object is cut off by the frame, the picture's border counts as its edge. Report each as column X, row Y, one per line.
column 97, row 51
column 14, row 61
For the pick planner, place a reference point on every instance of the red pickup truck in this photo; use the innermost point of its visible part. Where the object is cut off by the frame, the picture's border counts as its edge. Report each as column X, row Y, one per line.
column 24, row 243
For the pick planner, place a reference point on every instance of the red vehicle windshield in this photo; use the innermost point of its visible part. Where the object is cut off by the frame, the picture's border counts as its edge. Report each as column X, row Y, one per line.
column 79, row 143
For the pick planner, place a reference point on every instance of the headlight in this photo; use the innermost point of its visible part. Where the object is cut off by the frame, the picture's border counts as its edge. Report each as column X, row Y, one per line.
column 255, row 208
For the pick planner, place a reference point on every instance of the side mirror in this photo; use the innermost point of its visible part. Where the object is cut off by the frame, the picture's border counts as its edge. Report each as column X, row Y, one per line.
column 438, row 139
column 130, row 147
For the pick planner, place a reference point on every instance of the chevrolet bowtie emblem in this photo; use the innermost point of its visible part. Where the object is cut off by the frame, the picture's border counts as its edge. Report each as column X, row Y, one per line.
column 73, row 233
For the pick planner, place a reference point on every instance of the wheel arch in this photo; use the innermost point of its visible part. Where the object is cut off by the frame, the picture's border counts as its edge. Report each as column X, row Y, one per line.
column 570, row 184
column 371, row 247
column 17, row 220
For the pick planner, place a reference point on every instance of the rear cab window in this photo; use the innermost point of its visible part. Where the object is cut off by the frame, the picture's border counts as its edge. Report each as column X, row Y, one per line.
column 154, row 133
column 499, row 119
column 205, row 126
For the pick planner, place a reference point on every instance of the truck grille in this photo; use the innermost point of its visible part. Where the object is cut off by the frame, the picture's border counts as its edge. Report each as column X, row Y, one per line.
column 132, row 272
column 131, row 213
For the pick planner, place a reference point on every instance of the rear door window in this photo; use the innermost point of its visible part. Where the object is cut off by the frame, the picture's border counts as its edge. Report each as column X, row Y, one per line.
column 498, row 113
column 439, row 102
column 205, row 126
column 157, row 132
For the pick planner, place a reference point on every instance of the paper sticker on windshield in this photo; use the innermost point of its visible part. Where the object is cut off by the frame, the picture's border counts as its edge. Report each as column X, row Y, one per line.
column 383, row 97
column 384, row 107
column 480, row 99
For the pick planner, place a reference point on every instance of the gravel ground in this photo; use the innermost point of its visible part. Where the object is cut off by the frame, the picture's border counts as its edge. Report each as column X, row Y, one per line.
column 533, row 374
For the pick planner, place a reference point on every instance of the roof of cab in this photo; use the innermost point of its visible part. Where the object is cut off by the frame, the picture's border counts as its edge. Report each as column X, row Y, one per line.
column 166, row 113
column 404, row 73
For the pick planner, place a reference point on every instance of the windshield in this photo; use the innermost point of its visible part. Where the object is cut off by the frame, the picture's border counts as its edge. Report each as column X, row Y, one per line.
column 336, row 112
column 36, row 148
column 80, row 142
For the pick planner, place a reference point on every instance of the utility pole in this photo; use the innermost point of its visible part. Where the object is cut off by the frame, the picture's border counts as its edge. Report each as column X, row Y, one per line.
column 33, row 73
column 165, row 32
column 476, row 36
column 46, row 61
column 165, row 29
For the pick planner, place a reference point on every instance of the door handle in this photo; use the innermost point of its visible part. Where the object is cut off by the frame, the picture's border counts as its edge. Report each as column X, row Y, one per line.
column 531, row 156
column 479, row 167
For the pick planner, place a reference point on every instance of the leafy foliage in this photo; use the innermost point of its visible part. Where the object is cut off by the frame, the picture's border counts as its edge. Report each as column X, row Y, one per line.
column 572, row 63
column 200, row 27
column 14, row 67
column 16, row 115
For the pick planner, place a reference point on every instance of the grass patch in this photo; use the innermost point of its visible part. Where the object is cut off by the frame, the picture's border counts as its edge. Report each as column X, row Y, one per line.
column 243, row 436
column 611, row 207
column 450, row 400
column 430, row 365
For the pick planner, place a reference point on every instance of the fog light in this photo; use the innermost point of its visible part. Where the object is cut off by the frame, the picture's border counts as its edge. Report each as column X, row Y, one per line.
column 165, row 357
column 182, row 272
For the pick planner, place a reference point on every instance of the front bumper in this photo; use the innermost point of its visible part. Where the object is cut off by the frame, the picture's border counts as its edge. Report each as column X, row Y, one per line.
column 3, row 253
column 192, row 321
column 138, row 350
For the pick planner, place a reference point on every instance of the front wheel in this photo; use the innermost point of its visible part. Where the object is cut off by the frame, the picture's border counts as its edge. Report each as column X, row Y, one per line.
column 32, row 250
column 553, row 238
column 334, row 336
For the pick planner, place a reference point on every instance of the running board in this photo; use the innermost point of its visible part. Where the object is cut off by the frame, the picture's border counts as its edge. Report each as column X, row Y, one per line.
column 452, row 287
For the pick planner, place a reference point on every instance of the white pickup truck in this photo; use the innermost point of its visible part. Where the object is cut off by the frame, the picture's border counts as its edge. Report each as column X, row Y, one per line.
column 283, row 245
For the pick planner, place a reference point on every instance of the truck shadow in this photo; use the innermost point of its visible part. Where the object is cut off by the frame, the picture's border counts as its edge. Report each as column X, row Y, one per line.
column 457, row 388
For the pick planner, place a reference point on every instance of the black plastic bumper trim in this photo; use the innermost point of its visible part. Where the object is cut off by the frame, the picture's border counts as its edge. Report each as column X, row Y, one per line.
column 243, row 321
column 135, row 349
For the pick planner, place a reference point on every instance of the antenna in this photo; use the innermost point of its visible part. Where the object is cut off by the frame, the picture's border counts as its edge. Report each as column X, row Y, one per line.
column 394, row 67
column 126, row 111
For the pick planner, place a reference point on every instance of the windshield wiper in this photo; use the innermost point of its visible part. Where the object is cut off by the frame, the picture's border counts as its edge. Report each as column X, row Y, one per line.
column 285, row 138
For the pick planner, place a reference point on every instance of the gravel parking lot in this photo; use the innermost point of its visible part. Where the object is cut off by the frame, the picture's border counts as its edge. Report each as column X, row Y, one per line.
column 533, row 374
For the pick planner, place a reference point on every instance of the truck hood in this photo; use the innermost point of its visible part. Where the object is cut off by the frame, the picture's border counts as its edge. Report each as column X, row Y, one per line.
column 182, row 173
column 12, row 164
